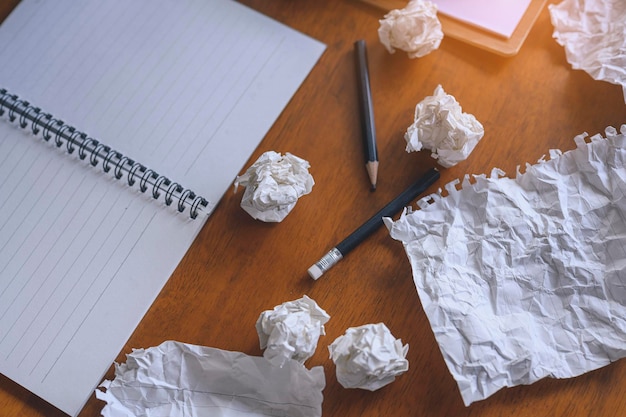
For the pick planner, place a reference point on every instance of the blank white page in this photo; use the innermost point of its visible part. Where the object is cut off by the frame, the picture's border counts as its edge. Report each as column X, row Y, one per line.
column 500, row 16
column 186, row 87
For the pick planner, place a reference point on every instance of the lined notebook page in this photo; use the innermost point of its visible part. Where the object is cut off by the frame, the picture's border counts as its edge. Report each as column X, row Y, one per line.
column 182, row 86
column 186, row 87
column 81, row 260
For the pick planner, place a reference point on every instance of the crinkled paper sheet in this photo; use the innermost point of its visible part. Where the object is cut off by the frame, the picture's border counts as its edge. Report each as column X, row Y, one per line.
column 524, row 278
column 178, row 379
column 593, row 33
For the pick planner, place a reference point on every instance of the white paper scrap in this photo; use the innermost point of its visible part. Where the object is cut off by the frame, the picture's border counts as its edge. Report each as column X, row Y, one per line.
column 524, row 278
column 593, row 33
column 178, row 379
column 274, row 183
column 441, row 126
column 291, row 330
column 368, row 357
column 414, row 29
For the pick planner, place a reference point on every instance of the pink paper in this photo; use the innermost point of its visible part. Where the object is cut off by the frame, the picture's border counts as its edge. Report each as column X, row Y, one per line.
column 500, row 16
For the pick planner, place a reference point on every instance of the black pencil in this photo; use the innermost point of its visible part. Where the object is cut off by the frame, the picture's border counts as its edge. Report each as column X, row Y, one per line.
column 367, row 112
column 338, row 252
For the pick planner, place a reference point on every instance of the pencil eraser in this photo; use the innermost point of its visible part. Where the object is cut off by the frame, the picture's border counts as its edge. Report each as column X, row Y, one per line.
column 315, row 272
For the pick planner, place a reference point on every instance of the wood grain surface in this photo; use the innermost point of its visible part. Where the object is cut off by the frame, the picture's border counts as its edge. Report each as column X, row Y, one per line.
column 239, row 267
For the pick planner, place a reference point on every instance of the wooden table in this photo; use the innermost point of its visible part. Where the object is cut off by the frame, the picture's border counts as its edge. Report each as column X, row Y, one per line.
column 239, row 267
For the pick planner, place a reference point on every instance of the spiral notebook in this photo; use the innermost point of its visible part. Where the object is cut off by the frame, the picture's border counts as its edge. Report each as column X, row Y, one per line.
column 123, row 123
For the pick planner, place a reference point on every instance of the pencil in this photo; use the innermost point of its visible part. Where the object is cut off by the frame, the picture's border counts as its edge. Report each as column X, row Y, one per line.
column 360, row 234
column 367, row 112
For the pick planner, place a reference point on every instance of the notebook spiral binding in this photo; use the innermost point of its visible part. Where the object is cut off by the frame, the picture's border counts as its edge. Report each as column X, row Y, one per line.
column 112, row 161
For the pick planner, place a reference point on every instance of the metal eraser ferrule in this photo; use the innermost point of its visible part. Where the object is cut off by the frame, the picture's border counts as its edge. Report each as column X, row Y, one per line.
column 329, row 260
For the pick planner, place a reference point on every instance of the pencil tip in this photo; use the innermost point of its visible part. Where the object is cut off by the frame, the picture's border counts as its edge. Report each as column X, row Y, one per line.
column 373, row 188
column 372, row 172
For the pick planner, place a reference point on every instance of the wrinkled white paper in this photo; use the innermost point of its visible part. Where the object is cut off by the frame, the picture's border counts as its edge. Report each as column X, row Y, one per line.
column 593, row 33
column 368, row 357
column 291, row 330
column 441, row 126
column 524, row 278
column 274, row 183
column 178, row 379
column 414, row 29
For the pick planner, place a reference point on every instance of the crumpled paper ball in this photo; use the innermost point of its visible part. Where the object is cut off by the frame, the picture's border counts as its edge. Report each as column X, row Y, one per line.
column 593, row 34
column 291, row 330
column 441, row 126
column 414, row 29
column 368, row 357
column 274, row 183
